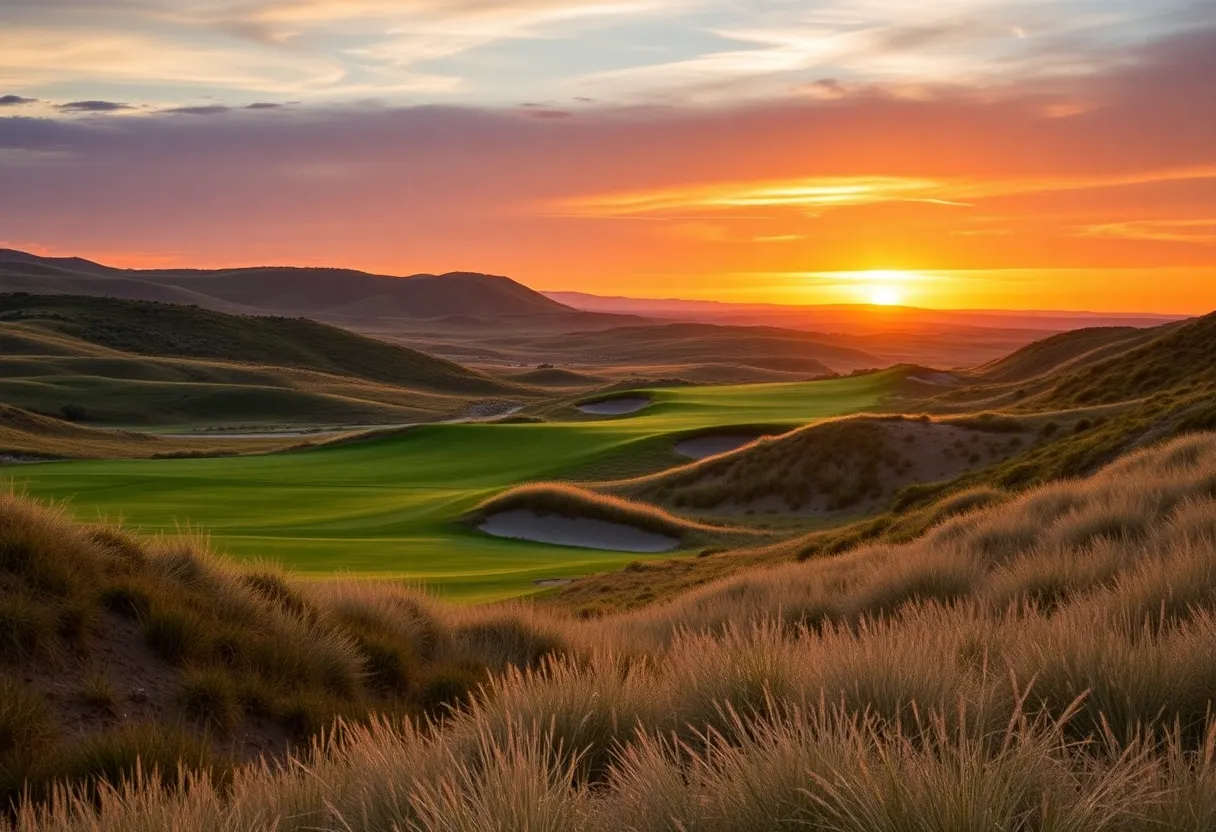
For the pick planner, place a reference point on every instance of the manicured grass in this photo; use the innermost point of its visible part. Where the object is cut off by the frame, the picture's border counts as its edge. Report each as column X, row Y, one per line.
column 391, row 505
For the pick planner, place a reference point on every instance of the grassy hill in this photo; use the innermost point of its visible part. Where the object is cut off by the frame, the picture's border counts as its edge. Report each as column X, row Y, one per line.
column 117, row 362
column 155, row 329
column 1181, row 357
column 1038, row 664
column 1063, row 352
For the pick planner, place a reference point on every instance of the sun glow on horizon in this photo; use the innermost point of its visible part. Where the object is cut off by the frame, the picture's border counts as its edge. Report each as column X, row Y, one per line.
column 884, row 287
column 885, row 296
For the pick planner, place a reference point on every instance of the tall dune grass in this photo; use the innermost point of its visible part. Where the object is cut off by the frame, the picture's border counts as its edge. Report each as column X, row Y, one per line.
column 1042, row 664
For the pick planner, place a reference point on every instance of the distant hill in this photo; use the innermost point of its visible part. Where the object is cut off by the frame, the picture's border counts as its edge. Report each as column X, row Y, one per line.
column 286, row 291
column 851, row 317
column 765, row 348
column 158, row 329
column 127, row 362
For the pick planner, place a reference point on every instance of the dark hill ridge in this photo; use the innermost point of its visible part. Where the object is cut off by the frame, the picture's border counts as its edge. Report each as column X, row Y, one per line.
column 286, row 290
column 166, row 330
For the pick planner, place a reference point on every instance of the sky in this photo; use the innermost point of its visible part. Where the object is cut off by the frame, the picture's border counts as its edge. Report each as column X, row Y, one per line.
column 1050, row 154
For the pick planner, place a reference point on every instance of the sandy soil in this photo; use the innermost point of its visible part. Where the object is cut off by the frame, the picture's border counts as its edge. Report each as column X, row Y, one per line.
column 580, row 532
column 703, row 447
column 616, row 407
column 936, row 453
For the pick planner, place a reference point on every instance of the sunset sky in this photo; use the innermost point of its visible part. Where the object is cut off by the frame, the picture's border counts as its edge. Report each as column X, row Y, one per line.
column 1043, row 154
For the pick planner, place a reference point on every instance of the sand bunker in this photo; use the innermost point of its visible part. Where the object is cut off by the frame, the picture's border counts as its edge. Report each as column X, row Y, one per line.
column 703, row 447
column 616, row 407
column 581, row 532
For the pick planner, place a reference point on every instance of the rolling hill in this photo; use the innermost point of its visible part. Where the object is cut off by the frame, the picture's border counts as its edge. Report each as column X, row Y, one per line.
column 1064, row 352
column 669, row 345
column 170, row 330
column 146, row 363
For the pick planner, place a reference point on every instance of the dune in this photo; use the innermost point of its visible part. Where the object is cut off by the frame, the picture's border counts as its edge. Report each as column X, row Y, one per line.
column 703, row 447
column 580, row 532
column 616, row 407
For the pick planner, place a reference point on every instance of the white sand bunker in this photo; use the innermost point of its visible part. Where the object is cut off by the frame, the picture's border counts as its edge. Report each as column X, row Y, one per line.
column 703, row 447
column 581, row 532
column 616, row 407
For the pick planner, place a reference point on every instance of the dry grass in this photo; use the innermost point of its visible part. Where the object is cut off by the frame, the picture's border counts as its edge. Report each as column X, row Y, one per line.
column 1043, row 663
column 114, row 638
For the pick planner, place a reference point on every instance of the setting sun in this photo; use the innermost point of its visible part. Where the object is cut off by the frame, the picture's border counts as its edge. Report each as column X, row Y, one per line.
column 883, row 287
column 884, row 296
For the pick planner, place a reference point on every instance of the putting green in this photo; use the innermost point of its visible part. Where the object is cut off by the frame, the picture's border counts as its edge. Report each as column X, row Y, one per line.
column 389, row 506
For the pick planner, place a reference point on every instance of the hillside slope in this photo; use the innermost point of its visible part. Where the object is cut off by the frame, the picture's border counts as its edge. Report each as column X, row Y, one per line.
column 1181, row 357
column 156, row 329
column 119, row 362
column 1061, row 353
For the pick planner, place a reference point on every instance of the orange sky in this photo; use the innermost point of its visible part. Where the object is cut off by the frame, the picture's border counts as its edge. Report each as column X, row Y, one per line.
column 1084, row 178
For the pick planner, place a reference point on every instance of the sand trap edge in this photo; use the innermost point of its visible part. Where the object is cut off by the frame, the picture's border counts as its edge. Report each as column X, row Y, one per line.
column 622, row 406
column 576, row 532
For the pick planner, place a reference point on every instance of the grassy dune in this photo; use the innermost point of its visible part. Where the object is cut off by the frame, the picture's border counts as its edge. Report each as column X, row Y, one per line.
column 825, row 469
column 1042, row 665
column 392, row 505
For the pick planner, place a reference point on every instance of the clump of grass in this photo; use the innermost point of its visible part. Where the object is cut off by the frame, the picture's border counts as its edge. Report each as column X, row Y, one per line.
column 97, row 691
column 177, row 634
column 27, row 735
column 209, row 698
column 27, row 625
column 149, row 755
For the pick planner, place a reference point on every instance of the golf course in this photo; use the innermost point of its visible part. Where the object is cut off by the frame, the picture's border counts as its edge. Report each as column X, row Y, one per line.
column 391, row 505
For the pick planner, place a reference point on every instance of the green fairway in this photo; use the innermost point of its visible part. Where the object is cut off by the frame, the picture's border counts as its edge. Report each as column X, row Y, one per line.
column 390, row 506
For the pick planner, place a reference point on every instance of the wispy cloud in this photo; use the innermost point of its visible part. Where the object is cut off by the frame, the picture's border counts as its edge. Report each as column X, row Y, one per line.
column 825, row 193
column 93, row 107
column 1200, row 231
column 485, row 51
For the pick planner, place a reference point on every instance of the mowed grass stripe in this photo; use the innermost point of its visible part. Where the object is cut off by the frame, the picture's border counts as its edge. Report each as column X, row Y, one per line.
column 390, row 506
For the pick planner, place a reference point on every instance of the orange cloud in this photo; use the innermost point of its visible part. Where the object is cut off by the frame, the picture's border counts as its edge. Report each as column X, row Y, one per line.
column 843, row 191
column 1201, row 231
